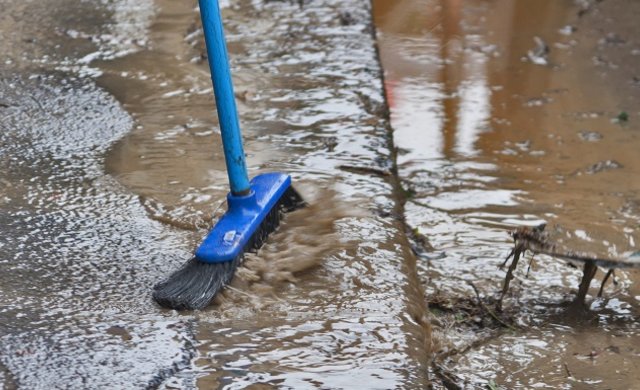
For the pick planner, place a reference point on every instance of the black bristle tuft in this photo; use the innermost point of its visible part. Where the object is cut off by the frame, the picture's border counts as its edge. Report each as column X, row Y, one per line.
column 195, row 284
column 292, row 200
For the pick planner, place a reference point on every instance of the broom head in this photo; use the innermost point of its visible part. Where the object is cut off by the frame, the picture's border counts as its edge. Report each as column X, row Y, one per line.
column 244, row 227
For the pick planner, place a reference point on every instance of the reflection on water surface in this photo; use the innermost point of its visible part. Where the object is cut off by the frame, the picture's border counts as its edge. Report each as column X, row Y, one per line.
column 501, row 118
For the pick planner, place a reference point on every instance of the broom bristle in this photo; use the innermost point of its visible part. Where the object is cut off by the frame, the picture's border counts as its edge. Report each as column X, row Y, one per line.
column 196, row 283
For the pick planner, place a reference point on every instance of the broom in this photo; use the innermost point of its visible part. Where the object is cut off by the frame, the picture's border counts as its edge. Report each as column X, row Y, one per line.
column 254, row 208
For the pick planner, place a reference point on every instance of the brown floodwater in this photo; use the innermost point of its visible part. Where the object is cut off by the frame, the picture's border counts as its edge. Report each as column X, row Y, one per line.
column 330, row 301
column 504, row 114
column 111, row 173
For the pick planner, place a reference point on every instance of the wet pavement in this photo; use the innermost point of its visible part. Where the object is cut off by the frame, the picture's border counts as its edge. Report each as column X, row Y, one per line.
column 78, row 252
column 502, row 114
column 508, row 114
column 112, row 170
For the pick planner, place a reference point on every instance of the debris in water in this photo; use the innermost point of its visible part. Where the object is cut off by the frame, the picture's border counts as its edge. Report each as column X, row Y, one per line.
column 601, row 166
column 487, row 310
column 567, row 30
column 536, row 240
column 590, row 136
column 539, row 54
column 611, row 272
column 566, row 368
column 421, row 246
column 612, row 39
column 538, row 101
column 603, row 61
column 622, row 117
column 470, row 313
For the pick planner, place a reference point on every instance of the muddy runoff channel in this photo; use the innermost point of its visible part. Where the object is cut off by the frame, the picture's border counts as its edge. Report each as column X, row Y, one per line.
column 112, row 171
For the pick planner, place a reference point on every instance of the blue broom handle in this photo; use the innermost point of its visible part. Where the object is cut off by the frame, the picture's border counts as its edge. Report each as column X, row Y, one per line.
column 225, row 100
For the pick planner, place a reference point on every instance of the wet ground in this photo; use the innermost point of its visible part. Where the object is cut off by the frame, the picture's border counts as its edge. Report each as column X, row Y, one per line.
column 111, row 171
column 517, row 113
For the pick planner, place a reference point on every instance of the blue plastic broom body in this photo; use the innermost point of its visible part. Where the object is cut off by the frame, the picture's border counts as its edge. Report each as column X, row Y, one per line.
column 243, row 218
column 248, row 202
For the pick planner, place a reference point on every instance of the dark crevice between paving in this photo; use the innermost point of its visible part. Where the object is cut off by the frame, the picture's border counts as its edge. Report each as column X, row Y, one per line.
column 419, row 311
column 189, row 353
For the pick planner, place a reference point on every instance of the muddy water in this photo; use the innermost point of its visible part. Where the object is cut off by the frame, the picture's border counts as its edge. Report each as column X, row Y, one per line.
column 496, row 128
column 112, row 170
column 331, row 300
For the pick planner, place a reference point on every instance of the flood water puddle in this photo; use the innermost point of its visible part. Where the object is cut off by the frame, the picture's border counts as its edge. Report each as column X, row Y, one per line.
column 508, row 114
